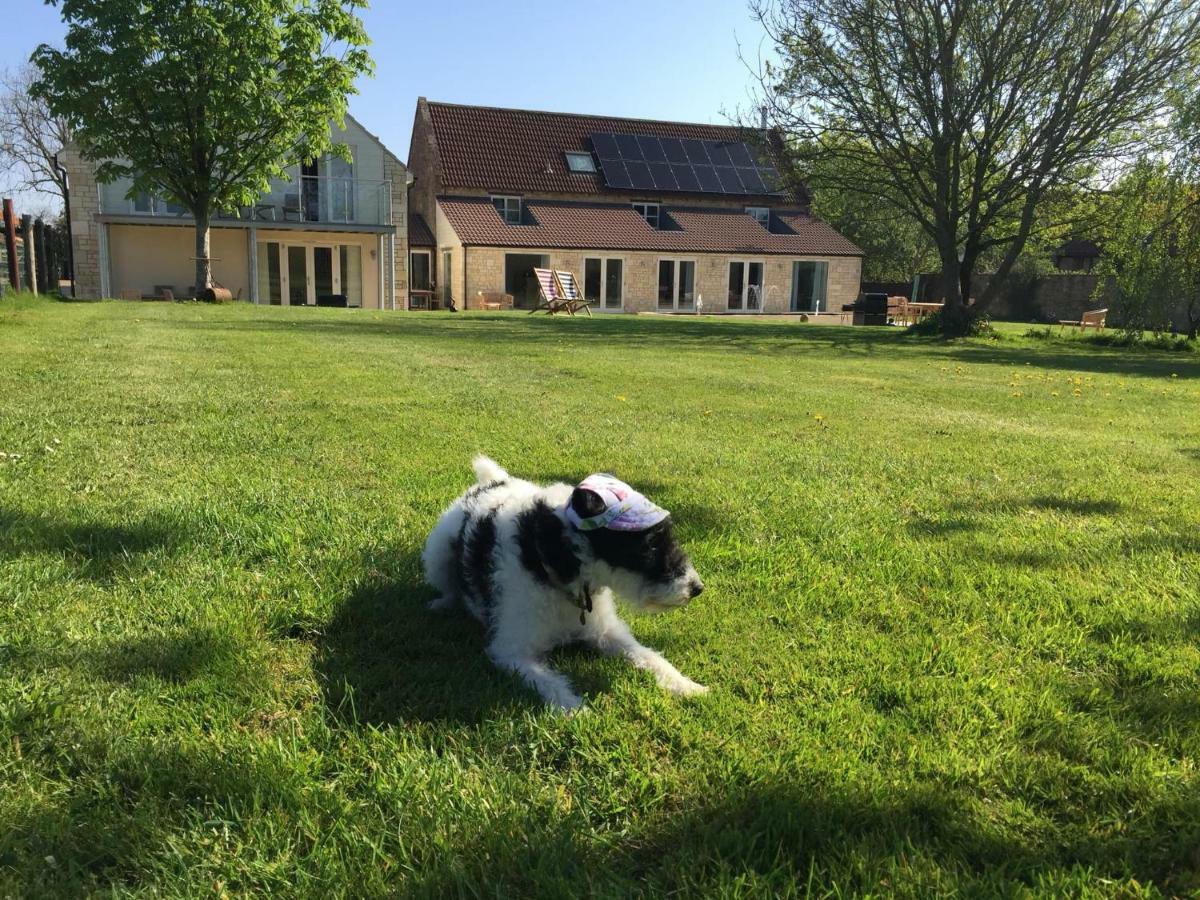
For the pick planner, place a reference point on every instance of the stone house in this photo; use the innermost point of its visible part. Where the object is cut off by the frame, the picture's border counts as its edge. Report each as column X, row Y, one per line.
column 336, row 233
column 651, row 216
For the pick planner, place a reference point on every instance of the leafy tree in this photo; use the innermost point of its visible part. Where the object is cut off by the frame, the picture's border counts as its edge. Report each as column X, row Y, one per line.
column 30, row 136
column 973, row 112
column 202, row 102
column 1152, row 248
column 896, row 247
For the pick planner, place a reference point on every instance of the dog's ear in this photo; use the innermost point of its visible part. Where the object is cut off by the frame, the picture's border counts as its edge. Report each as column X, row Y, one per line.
column 586, row 503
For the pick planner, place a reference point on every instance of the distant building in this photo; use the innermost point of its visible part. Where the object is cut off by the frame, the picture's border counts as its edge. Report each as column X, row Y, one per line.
column 652, row 216
column 1079, row 255
column 336, row 233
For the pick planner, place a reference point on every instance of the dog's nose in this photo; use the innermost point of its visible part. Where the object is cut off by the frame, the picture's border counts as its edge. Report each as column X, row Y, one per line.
column 695, row 590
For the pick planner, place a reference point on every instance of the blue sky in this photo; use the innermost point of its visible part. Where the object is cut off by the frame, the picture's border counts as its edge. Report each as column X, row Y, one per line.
column 669, row 59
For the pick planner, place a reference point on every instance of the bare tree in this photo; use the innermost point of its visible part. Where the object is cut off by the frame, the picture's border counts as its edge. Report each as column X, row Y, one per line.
column 30, row 136
column 973, row 113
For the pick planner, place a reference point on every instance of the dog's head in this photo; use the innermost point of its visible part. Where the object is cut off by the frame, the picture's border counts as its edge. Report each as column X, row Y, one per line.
column 646, row 566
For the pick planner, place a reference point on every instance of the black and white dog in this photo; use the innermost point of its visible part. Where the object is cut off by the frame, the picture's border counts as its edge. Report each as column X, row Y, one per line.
column 538, row 566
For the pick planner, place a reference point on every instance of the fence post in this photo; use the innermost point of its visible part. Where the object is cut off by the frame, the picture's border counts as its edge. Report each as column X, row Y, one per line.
column 30, row 253
column 43, row 262
column 10, row 245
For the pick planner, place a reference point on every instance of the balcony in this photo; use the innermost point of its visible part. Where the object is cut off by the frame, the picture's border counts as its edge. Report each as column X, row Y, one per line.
column 310, row 200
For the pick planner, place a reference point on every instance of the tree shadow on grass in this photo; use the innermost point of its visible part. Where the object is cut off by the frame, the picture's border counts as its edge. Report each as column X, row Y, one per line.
column 94, row 550
column 175, row 657
column 629, row 331
column 785, row 338
column 769, row 837
column 113, row 825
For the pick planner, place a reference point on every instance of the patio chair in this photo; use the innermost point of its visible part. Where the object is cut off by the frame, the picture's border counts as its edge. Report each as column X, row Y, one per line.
column 550, row 297
column 291, row 206
column 569, row 290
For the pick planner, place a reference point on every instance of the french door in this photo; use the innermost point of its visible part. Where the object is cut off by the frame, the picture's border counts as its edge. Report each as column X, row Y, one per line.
column 300, row 274
column 745, row 286
column 604, row 283
column 676, row 284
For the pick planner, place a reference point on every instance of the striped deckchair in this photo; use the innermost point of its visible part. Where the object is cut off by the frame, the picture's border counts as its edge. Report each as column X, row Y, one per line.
column 550, row 296
column 568, row 289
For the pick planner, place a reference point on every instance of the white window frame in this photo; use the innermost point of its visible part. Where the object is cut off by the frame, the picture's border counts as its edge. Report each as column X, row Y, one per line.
column 602, row 301
column 676, row 261
column 428, row 254
column 643, row 208
column 746, row 264
column 823, row 302
column 310, row 270
column 580, row 162
column 511, row 213
column 762, row 214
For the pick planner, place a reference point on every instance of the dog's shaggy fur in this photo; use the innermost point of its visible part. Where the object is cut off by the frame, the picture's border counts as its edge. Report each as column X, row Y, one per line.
column 506, row 550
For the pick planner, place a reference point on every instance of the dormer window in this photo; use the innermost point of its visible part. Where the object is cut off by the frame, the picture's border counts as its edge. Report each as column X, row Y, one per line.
column 509, row 209
column 762, row 214
column 649, row 212
column 581, row 162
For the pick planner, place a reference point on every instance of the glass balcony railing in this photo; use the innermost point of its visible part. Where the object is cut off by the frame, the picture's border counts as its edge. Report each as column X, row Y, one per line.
column 310, row 199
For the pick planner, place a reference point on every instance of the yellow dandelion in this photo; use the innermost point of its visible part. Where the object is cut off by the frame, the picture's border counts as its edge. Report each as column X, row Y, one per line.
column 1054, row 393
column 621, row 397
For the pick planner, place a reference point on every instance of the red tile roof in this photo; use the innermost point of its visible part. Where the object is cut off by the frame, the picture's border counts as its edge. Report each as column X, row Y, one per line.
column 605, row 226
column 520, row 150
column 419, row 234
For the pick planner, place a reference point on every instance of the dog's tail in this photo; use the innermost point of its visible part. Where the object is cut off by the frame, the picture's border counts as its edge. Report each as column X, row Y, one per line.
column 487, row 470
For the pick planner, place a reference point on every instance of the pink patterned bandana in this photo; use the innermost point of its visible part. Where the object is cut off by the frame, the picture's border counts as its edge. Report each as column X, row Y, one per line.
column 624, row 508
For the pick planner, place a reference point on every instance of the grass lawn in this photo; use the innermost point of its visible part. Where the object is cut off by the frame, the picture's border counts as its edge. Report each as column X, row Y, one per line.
column 951, row 624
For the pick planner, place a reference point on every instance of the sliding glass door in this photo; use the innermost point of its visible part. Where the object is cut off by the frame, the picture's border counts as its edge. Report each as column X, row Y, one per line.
column 676, row 284
column 809, row 279
column 745, row 286
column 310, row 274
column 604, row 283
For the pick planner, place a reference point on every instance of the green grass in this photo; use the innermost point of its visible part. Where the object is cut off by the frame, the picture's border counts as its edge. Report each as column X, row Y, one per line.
column 951, row 621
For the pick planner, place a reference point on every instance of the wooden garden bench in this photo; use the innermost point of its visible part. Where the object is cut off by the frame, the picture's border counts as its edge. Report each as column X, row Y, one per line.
column 1093, row 318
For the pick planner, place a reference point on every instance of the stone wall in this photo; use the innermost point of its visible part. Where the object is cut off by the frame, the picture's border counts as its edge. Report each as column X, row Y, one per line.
column 85, row 230
column 395, row 291
column 485, row 272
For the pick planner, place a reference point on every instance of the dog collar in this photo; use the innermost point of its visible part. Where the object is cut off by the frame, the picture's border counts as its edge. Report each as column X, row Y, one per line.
column 624, row 508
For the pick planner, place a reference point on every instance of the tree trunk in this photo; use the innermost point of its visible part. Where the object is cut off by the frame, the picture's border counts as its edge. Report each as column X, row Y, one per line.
column 955, row 318
column 203, row 249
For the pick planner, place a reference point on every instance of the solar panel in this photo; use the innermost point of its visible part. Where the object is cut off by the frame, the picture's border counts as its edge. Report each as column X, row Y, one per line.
column 685, row 177
column 673, row 147
column 639, row 174
column 652, row 148
column 695, row 152
column 615, row 174
column 646, row 162
column 740, row 154
column 718, row 153
column 730, row 183
column 707, row 177
column 628, row 145
column 664, row 180
column 606, row 146
column 751, row 180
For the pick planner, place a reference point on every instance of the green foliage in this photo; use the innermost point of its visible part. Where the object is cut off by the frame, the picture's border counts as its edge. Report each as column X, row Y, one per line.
column 203, row 102
column 896, row 246
column 950, row 631
column 978, row 114
column 1152, row 249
